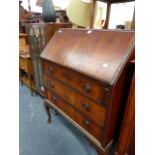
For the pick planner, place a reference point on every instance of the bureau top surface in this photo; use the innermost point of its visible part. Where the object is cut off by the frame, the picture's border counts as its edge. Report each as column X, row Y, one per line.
column 100, row 54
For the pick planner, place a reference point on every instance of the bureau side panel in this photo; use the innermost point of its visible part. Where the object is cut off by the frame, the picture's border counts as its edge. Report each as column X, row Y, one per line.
column 112, row 112
column 126, row 142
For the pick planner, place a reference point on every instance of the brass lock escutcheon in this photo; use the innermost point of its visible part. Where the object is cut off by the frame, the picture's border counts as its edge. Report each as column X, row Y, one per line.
column 50, row 70
column 87, row 123
column 54, row 99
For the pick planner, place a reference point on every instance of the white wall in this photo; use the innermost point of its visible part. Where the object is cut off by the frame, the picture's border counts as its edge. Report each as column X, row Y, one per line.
column 120, row 13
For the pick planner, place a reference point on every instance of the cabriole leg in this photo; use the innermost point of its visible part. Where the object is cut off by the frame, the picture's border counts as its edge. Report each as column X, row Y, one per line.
column 47, row 108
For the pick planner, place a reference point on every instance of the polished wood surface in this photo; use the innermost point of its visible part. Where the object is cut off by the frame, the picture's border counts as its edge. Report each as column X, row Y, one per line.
column 88, row 107
column 96, row 53
column 23, row 43
column 84, row 74
column 126, row 142
column 114, row 102
column 74, row 79
column 84, row 122
column 23, row 63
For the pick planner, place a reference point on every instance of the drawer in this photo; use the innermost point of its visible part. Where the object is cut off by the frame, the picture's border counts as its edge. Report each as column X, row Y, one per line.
column 89, row 108
column 89, row 87
column 74, row 115
column 23, row 63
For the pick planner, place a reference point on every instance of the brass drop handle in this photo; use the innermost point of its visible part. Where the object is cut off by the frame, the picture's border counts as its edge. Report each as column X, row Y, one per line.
column 54, row 99
column 87, row 123
column 50, row 70
column 86, row 88
column 52, row 84
column 22, row 68
column 86, row 106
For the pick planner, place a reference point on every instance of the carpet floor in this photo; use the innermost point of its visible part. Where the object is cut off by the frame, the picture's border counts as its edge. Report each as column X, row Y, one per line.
column 39, row 138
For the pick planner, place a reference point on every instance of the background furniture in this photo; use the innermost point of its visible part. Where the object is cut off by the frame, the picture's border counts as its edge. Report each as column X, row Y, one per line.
column 39, row 34
column 23, row 43
column 84, row 76
column 25, row 71
column 25, row 64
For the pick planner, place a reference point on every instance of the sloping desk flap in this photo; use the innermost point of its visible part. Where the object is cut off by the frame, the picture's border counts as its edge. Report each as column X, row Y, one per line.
column 100, row 54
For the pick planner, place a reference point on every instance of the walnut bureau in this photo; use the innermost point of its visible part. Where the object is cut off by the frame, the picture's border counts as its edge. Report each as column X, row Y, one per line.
column 83, row 76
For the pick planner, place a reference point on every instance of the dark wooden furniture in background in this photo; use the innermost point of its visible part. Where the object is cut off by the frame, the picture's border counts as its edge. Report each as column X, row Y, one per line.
column 39, row 34
column 84, row 74
column 126, row 142
column 25, row 64
column 25, row 71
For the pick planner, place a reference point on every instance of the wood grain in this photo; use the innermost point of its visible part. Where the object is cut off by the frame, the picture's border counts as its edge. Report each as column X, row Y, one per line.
column 82, row 70
column 126, row 142
column 95, row 111
column 84, row 122
column 75, row 80
column 95, row 53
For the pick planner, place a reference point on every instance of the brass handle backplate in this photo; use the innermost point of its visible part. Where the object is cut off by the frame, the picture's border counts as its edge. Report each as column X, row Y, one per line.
column 86, row 88
column 86, row 106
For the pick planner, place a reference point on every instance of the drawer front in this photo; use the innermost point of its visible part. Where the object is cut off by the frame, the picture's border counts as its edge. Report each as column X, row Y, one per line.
column 89, row 87
column 91, row 109
column 73, row 114
column 23, row 63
